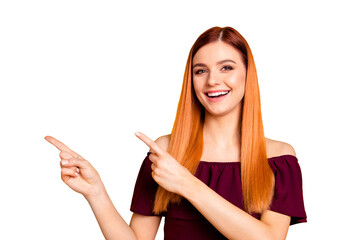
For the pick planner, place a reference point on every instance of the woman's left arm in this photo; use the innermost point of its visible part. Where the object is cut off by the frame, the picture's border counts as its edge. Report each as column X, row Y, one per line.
column 231, row 221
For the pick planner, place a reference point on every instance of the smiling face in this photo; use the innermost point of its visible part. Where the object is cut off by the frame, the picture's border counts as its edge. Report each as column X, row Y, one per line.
column 219, row 75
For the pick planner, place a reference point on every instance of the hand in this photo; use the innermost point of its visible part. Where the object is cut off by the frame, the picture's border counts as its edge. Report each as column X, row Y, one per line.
column 77, row 172
column 166, row 170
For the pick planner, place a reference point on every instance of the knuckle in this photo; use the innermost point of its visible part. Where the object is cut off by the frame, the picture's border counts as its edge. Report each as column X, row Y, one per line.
column 153, row 157
column 64, row 155
column 78, row 158
column 73, row 168
column 84, row 161
column 160, row 164
column 73, row 161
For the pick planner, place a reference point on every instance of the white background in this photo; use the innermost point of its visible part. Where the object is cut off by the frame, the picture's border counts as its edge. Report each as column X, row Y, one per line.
column 91, row 73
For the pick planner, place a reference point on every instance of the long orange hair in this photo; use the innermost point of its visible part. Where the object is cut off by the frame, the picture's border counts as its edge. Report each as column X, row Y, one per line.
column 186, row 141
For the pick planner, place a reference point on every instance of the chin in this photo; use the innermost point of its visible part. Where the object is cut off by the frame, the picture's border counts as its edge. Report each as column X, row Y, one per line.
column 218, row 113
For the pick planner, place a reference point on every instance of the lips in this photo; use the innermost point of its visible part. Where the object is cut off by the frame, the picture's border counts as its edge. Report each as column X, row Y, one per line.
column 220, row 90
column 216, row 96
column 218, row 93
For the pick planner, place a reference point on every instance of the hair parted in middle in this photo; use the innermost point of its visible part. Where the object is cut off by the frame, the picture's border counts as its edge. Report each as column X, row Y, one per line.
column 186, row 141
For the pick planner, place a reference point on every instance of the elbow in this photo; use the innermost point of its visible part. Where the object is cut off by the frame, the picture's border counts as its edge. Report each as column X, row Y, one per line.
column 268, row 234
column 272, row 236
column 259, row 236
column 272, row 232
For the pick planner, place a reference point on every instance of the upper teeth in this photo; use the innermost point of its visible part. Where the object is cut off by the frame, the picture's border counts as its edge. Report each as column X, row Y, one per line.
column 217, row 93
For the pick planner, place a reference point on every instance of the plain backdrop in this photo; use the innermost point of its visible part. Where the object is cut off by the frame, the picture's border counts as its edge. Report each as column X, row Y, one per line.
column 91, row 73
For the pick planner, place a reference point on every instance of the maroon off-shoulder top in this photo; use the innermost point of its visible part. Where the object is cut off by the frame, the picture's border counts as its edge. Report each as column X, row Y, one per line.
column 184, row 221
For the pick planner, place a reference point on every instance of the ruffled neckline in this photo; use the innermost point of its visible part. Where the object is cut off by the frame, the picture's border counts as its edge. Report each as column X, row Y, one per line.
column 233, row 163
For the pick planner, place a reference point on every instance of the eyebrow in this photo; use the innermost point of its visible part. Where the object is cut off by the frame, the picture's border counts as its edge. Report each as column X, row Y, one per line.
column 218, row 63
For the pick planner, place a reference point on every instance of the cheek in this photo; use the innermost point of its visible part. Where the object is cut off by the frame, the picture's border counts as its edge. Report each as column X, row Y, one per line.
column 237, row 81
column 197, row 88
column 198, row 92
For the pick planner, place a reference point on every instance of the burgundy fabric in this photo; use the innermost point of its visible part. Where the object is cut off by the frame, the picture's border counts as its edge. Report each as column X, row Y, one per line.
column 184, row 221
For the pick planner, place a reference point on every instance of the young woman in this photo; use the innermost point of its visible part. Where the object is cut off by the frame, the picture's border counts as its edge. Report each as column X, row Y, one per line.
column 215, row 176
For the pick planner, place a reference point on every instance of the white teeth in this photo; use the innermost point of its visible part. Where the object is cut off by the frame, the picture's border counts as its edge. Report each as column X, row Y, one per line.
column 214, row 94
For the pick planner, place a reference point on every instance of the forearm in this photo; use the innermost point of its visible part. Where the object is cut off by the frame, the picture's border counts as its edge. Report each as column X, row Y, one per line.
column 112, row 225
column 231, row 221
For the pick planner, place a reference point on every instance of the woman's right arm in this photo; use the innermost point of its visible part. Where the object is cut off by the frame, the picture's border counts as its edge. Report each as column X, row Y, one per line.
column 82, row 177
column 114, row 227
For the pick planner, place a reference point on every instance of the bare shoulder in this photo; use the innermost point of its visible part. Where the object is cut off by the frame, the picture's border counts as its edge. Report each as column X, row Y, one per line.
column 163, row 142
column 277, row 148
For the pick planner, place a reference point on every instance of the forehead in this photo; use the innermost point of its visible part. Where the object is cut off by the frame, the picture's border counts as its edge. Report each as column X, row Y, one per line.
column 216, row 51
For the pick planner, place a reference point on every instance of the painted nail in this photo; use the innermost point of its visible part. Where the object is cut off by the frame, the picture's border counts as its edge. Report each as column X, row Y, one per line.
column 64, row 162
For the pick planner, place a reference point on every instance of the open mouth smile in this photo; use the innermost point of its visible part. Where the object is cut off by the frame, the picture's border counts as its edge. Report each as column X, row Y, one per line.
column 216, row 96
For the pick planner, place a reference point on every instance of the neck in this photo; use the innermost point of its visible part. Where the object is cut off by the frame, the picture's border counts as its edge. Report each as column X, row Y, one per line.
column 223, row 131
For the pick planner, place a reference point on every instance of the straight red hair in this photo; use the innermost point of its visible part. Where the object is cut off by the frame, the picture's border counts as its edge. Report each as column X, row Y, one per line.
column 186, row 141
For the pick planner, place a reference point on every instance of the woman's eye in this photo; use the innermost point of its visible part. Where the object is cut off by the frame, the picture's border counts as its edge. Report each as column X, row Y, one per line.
column 227, row 68
column 199, row 71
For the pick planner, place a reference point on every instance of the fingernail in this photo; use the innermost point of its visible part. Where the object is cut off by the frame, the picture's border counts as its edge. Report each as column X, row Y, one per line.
column 64, row 162
column 77, row 169
column 76, row 174
column 137, row 134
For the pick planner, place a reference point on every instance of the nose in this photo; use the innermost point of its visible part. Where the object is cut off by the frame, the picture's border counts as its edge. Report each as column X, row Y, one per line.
column 213, row 79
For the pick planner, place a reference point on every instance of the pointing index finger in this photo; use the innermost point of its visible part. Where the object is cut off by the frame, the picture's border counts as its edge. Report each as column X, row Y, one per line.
column 61, row 146
column 150, row 143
